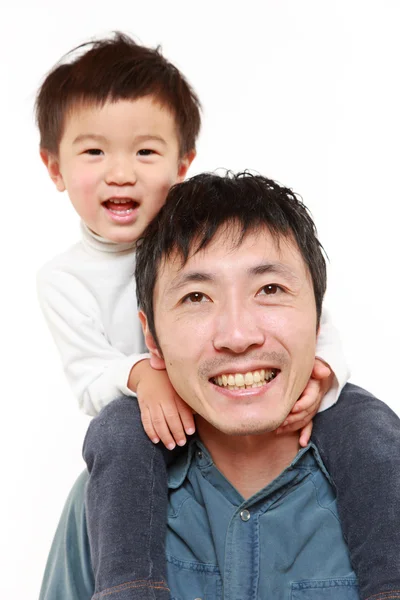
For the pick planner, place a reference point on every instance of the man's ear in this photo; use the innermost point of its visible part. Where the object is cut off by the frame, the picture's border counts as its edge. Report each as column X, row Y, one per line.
column 53, row 167
column 156, row 359
column 184, row 165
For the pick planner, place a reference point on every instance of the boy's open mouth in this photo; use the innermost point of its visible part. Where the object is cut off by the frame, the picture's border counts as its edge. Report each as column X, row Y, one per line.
column 251, row 379
column 121, row 206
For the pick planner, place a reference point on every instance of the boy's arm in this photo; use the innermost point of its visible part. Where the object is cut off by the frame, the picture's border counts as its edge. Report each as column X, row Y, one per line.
column 97, row 372
column 68, row 574
column 329, row 349
column 359, row 441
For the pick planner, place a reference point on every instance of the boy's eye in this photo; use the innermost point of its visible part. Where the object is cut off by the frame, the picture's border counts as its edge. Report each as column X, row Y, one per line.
column 94, row 151
column 270, row 289
column 146, row 152
column 195, row 298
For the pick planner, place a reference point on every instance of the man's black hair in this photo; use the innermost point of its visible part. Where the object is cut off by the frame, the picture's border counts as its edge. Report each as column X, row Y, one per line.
column 197, row 208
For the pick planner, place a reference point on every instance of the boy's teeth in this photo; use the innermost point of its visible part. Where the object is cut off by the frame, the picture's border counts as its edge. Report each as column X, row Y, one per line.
column 251, row 379
column 120, row 207
column 121, row 212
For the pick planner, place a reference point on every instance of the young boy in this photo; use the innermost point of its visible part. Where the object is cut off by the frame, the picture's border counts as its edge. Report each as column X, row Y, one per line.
column 118, row 126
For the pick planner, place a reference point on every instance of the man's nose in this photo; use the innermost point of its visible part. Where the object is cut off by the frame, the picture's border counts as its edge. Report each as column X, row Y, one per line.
column 121, row 171
column 238, row 329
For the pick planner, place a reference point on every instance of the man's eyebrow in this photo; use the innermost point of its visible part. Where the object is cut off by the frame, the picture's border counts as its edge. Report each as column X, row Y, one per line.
column 191, row 277
column 85, row 137
column 183, row 279
column 274, row 268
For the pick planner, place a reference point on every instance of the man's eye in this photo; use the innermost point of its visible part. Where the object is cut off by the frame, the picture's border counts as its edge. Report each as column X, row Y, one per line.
column 146, row 152
column 270, row 289
column 94, row 151
column 195, row 298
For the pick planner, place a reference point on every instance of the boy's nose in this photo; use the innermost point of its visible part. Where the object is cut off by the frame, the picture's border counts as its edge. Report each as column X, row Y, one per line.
column 237, row 331
column 121, row 172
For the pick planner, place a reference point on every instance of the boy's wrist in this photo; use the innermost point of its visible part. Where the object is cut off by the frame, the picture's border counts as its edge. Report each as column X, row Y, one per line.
column 136, row 373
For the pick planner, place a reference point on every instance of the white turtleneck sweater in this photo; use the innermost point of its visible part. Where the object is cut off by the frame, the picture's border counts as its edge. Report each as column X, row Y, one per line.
column 88, row 298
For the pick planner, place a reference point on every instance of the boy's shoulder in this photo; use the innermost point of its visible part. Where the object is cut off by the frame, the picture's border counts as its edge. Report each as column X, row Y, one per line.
column 87, row 268
column 69, row 262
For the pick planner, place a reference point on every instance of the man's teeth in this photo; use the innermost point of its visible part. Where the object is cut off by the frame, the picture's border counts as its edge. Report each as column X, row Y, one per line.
column 251, row 379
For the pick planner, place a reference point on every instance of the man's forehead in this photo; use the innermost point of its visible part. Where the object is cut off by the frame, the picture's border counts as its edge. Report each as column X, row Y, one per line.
column 257, row 252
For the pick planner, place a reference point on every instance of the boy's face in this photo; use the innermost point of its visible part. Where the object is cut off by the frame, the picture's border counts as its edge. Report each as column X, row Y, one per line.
column 117, row 163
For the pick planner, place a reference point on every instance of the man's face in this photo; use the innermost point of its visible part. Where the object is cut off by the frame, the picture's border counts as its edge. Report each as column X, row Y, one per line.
column 118, row 162
column 237, row 330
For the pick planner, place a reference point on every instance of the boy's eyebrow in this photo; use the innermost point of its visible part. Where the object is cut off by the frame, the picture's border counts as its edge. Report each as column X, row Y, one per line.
column 149, row 137
column 83, row 137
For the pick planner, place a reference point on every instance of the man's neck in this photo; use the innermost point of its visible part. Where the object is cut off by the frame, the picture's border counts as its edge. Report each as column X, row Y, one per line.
column 249, row 462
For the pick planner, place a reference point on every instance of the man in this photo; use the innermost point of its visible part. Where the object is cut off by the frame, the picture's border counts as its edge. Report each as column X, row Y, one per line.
column 230, row 306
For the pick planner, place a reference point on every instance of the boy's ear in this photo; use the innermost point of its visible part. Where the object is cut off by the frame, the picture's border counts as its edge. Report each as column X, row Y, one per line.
column 156, row 359
column 184, row 165
column 53, row 167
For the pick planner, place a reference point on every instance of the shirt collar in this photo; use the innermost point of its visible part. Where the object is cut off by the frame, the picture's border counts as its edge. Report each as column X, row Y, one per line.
column 178, row 470
column 96, row 242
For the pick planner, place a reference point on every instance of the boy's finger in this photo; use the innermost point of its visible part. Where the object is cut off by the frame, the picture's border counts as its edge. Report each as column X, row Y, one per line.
column 305, row 434
column 161, row 427
column 188, row 423
column 310, row 395
column 299, row 417
column 148, row 425
column 320, row 370
column 173, row 420
column 186, row 415
column 308, row 401
column 293, row 426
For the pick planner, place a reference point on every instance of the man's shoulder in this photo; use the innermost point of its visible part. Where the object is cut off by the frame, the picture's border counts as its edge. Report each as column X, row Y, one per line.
column 68, row 574
column 72, row 524
column 75, row 504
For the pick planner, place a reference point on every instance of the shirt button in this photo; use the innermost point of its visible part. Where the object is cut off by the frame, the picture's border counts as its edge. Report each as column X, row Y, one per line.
column 245, row 515
column 200, row 455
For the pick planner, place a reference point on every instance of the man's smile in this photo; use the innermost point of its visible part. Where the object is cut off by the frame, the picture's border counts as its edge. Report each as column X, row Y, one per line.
column 250, row 379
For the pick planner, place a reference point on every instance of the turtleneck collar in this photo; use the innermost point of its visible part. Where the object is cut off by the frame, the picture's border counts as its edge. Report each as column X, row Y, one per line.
column 101, row 244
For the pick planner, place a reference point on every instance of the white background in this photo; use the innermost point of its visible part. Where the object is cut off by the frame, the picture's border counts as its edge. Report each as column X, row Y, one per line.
column 304, row 91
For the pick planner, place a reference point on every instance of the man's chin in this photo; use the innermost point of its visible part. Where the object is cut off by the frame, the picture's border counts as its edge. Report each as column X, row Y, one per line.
column 243, row 428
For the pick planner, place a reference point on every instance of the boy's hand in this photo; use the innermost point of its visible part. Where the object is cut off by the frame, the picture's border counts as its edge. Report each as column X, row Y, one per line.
column 308, row 404
column 165, row 416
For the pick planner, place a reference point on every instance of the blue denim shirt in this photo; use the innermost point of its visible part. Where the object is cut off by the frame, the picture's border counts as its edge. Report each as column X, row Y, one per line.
column 283, row 543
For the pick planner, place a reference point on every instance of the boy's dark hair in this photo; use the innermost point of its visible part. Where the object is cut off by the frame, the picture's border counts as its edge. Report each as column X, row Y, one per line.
column 196, row 209
column 113, row 69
